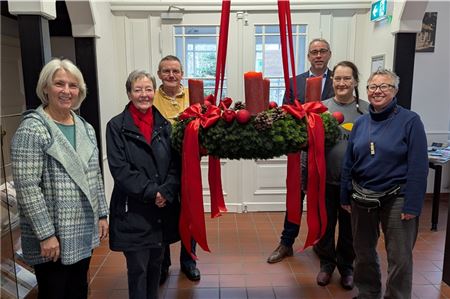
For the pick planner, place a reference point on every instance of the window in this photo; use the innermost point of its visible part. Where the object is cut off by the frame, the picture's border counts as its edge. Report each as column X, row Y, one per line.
column 196, row 46
column 268, row 56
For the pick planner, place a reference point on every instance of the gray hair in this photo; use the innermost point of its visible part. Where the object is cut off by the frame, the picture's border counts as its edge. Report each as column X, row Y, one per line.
column 136, row 75
column 48, row 72
column 321, row 40
column 385, row 72
column 170, row 58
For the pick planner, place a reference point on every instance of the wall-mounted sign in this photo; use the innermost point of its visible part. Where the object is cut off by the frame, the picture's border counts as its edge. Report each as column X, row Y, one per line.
column 378, row 11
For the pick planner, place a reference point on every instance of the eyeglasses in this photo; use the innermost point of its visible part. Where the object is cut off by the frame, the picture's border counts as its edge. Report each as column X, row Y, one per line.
column 383, row 87
column 345, row 79
column 317, row 52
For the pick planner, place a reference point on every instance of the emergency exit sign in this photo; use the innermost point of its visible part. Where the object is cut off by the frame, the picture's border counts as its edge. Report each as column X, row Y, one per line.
column 378, row 11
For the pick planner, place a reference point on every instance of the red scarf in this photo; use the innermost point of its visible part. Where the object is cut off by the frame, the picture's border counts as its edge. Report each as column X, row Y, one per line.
column 144, row 121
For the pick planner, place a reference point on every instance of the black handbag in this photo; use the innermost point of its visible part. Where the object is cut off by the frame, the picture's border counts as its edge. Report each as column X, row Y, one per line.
column 370, row 199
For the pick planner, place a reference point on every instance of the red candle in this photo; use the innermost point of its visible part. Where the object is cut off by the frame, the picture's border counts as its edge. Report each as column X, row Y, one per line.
column 313, row 89
column 195, row 91
column 253, row 83
column 266, row 93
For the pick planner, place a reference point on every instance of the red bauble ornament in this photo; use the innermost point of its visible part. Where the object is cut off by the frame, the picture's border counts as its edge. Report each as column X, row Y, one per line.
column 228, row 115
column 338, row 116
column 273, row 105
column 243, row 116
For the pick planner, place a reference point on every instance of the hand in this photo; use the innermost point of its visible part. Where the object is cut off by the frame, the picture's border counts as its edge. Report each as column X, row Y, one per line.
column 348, row 208
column 160, row 201
column 103, row 229
column 407, row 216
column 50, row 248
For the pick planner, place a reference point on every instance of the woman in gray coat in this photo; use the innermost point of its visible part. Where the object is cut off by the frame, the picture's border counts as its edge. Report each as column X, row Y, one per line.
column 55, row 162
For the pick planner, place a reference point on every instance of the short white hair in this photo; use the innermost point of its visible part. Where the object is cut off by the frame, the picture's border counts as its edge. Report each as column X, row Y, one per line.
column 385, row 72
column 46, row 77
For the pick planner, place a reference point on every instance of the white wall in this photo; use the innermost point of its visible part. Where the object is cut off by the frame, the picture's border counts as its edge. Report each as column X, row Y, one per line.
column 110, row 86
column 431, row 87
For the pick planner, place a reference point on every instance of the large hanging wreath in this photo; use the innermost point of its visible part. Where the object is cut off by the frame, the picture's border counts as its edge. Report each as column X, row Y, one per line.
column 271, row 133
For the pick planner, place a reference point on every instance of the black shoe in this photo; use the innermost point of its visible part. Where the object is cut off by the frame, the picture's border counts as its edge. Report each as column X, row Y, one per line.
column 280, row 253
column 164, row 275
column 191, row 272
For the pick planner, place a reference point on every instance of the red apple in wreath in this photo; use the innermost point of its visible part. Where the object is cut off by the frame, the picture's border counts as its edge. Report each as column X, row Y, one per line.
column 243, row 116
column 338, row 116
column 228, row 115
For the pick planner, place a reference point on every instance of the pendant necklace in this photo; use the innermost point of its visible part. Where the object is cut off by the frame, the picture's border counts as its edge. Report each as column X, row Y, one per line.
column 371, row 141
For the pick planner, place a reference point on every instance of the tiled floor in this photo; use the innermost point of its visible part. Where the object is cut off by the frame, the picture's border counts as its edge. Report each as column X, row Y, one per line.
column 236, row 267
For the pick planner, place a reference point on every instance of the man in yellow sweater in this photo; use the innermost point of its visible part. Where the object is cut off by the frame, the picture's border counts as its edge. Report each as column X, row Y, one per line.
column 171, row 99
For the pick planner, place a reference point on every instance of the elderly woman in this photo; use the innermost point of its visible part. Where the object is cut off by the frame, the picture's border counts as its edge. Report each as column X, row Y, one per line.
column 55, row 162
column 384, row 180
column 145, row 199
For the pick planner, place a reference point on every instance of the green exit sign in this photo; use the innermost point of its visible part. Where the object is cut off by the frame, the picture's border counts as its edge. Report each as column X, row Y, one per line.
column 378, row 11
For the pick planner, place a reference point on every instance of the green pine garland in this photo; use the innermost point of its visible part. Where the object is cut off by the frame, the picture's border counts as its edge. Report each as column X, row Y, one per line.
column 244, row 141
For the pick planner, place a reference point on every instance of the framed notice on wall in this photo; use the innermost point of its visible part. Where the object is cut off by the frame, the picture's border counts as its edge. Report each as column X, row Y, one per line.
column 377, row 63
column 426, row 38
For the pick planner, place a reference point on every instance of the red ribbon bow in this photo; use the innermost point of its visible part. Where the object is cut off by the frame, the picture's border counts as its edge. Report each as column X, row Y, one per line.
column 316, row 214
column 192, row 222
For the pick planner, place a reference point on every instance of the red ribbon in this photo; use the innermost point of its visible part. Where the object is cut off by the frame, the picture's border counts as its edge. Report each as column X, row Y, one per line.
column 192, row 222
column 316, row 215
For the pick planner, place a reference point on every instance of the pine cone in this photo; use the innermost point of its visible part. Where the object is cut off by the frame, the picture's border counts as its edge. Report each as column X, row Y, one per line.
column 238, row 106
column 278, row 113
column 262, row 121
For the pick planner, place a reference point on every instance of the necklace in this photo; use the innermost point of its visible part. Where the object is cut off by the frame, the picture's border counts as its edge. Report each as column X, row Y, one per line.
column 371, row 141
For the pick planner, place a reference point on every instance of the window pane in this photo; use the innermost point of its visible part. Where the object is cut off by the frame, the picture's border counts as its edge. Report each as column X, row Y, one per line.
column 199, row 30
column 199, row 44
column 179, row 48
column 272, row 29
column 268, row 56
column 178, row 30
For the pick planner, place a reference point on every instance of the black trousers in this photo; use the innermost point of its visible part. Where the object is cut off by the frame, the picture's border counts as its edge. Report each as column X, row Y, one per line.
column 334, row 253
column 186, row 259
column 58, row 281
column 144, row 271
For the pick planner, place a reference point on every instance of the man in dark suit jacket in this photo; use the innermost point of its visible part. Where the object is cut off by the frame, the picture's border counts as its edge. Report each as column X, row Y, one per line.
column 319, row 54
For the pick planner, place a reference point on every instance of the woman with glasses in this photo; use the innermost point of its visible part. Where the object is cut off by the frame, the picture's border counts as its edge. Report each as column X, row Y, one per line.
column 56, row 170
column 145, row 198
column 384, row 179
column 339, row 255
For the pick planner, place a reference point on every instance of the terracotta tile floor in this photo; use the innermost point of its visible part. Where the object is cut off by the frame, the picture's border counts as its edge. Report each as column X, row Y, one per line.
column 236, row 267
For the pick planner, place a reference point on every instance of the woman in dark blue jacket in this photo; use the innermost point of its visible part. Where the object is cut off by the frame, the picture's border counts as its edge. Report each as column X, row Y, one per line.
column 145, row 199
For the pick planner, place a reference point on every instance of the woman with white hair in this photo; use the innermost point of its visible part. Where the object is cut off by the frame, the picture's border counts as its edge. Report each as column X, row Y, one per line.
column 383, row 183
column 55, row 162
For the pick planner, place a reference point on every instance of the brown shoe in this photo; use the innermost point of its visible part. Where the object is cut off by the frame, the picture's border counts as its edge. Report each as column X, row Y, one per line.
column 347, row 282
column 323, row 278
column 280, row 253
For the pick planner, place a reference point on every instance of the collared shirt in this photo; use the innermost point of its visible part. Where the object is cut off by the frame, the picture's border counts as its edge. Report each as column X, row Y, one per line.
column 171, row 107
column 324, row 77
